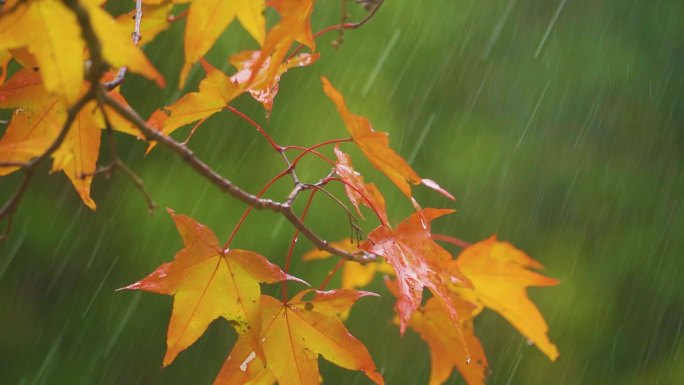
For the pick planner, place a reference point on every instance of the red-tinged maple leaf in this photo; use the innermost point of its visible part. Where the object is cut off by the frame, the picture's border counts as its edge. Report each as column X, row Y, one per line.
column 294, row 25
column 294, row 335
column 156, row 20
column 434, row 325
column 208, row 282
column 359, row 192
column 263, row 89
column 37, row 119
column 500, row 274
column 375, row 145
column 207, row 19
column 418, row 262
column 216, row 91
column 50, row 32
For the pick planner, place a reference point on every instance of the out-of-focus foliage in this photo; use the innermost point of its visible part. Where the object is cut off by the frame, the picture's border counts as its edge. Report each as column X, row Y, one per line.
column 555, row 124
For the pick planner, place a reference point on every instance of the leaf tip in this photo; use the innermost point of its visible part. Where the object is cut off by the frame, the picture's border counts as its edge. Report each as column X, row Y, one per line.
column 433, row 185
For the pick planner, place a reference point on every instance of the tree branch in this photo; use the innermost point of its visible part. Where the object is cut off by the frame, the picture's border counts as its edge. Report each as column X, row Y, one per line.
column 229, row 187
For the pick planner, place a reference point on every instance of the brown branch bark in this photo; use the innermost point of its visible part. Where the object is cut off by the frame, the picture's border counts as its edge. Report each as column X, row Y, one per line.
column 229, row 187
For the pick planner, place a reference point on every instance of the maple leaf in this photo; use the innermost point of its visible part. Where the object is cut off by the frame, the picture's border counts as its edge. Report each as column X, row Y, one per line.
column 500, row 274
column 36, row 122
column 50, row 32
column 434, row 325
column 208, row 282
column 294, row 335
column 375, row 146
column 359, row 192
column 294, row 25
column 216, row 91
column 207, row 19
column 263, row 89
column 418, row 262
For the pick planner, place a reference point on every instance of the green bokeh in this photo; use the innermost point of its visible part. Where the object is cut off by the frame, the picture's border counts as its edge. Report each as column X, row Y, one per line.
column 557, row 125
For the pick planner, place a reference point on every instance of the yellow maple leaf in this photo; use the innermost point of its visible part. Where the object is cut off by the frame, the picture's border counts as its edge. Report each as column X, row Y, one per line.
column 208, row 282
column 207, row 19
column 500, row 274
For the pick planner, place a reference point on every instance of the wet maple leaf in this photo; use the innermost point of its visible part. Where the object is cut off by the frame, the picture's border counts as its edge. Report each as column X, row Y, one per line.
column 216, row 91
column 50, row 32
column 294, row 335
column 500, row 274
column 375, row 146
column 207, row 19
column 418, row 262
column 37, row 120
column 434, row 325
column 359, row 192
column 262, row 88
column 208, row 282
column 294, row 25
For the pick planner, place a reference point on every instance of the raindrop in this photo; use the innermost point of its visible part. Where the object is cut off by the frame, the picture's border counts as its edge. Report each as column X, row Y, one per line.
column 250, row 358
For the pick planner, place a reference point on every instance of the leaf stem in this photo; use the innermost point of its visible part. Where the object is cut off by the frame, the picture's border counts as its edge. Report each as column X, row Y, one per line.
column 331, row 273
column 288, row 257
column 256, row 125
column 454, row 241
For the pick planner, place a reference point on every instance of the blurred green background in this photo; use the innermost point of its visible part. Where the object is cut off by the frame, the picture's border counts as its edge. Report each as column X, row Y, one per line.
column 557, row 124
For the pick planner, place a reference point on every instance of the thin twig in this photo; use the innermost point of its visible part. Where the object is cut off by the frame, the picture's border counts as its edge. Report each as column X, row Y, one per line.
column 13, row 164
column 343, row 26
column 118, row 164
column 135, row 38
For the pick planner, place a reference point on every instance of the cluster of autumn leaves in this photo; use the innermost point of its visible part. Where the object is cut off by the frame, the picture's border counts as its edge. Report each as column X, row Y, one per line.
column 278, row 340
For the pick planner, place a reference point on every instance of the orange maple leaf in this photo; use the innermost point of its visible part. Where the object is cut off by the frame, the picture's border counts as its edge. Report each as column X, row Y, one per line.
column 375, row 145
column 500, row 274
column 294, row 335
column 418, row 262
column 434, row 325
column 357, row 190
column 262, row 88
column 37, row 119
column 294, row 25
column 216, row 91
column 207, row 19
column 208, row 282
